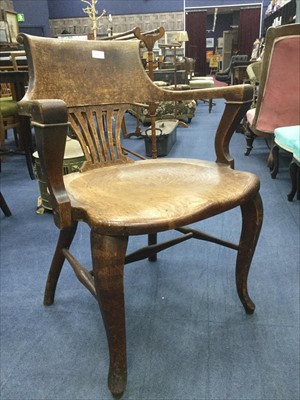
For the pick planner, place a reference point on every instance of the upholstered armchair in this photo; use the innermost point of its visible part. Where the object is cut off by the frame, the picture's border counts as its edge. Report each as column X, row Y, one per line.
column 278, row 100
column 287, row 138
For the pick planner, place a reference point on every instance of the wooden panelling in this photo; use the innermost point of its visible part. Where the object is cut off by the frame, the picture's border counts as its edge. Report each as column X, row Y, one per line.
column 120, row 23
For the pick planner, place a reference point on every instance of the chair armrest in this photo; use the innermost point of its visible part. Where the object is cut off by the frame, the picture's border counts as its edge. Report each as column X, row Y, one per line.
column 238, row 99
column 50, row 120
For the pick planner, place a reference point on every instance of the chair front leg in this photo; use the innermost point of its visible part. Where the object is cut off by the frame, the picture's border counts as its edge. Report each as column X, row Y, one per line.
column 294, row 170
column 252, row 217
column 108, row 255
column 249, row 136
column 275, row 155
column 64, row 241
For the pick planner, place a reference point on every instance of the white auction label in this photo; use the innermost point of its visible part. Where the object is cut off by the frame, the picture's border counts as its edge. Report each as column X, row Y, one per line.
column 98, row 54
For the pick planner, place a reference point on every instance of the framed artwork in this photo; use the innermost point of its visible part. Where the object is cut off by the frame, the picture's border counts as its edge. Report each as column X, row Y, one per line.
column 210, row 43
column 171, row 37
column 13, row 27
column 209, row 54
column 4, row 32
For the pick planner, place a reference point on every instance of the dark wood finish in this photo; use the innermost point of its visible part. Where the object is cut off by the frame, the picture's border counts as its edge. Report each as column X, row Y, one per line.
column 238, row 73
column 294, row 169
column 160, row 194
column 4, row 207
column 18, row 80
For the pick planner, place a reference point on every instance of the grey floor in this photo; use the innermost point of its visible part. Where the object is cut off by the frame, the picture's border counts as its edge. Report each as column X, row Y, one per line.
column 188, row 336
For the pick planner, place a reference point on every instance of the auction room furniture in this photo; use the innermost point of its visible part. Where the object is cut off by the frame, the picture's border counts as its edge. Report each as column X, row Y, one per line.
column 203, row 82
column 9, row 117
column 287, row 138
column 13, row 60
column 239, row 72
column 174, row 76
column 115, row 195
column 4, row 207
column 278, row 101
column 253, row 71
column 226, row 75
column 19, row 61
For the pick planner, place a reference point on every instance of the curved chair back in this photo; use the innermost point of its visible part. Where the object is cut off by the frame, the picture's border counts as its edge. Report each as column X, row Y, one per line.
column 106, row 58
column 278, row 102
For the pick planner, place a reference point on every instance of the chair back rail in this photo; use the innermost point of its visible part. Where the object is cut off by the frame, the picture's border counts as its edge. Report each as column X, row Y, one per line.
column 70, row 74
column 278, row 102
column 100, row 72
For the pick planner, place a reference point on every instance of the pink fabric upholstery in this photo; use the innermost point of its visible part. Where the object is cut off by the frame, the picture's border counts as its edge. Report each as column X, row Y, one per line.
column 281, row 101
column 250, row 115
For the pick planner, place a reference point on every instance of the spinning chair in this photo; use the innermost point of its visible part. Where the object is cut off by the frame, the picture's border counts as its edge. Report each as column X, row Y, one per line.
column 118, row 196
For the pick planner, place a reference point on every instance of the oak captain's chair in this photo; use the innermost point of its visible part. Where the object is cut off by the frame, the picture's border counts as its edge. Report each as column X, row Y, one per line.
column 278, row 100
column 115, row 195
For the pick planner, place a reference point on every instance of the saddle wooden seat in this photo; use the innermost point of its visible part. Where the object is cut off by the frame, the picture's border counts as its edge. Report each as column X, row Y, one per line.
column 84, row 88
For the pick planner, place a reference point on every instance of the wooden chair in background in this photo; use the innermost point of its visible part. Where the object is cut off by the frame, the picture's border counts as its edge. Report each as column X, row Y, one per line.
column 4, row 207
column 118, row 196
column 278, row 100
column 19, row 62
column 10, row 118
column 254, row 75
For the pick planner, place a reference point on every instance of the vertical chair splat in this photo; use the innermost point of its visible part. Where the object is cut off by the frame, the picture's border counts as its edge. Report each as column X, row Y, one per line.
column 98, row 129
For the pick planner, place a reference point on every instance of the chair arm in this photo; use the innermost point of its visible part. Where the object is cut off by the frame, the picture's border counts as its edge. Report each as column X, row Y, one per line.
column 50, row 121
column 238, row 99
column 235, row 93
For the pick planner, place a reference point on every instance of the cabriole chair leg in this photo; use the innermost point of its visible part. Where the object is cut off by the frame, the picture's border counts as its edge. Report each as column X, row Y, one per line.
column 108, row 255
column 64, row 241
column 252, row 216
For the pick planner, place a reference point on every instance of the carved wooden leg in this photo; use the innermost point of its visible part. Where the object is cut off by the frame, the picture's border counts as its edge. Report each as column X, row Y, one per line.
column 4, row 207
column 152, row 239
column 275, row 156
column 64, row 241
column 270, row 159
column 108, row 254
column 249, row 135
column 295, row 177
column 252, row 216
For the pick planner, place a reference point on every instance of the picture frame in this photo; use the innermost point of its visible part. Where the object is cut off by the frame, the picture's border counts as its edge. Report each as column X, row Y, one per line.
column 171, row 37
column 210, row 43
column 13, row 26
column 4, row 32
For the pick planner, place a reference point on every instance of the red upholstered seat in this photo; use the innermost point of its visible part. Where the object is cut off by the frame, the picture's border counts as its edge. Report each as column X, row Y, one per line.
column 278, row 101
